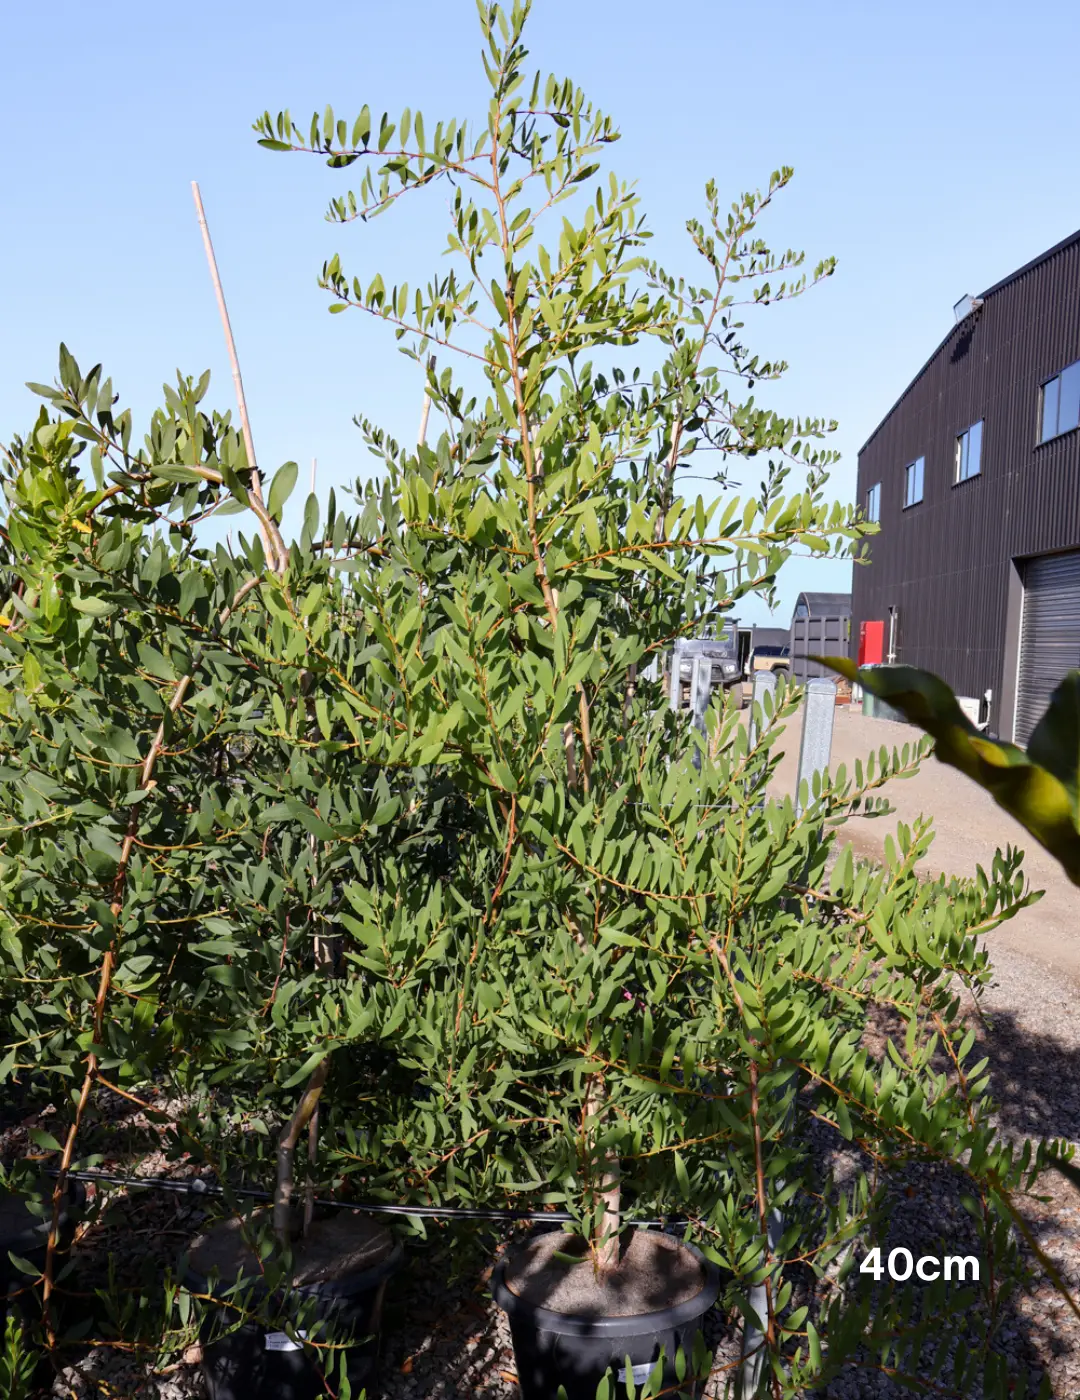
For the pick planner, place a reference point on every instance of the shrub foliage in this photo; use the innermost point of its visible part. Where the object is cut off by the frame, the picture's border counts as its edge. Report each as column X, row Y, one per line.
column 399, row 805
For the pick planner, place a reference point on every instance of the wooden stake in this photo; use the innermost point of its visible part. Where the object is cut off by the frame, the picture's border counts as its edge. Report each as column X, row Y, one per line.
column 287, row 1147
column 421, row 436
column 313, row 1155
column 275, row 551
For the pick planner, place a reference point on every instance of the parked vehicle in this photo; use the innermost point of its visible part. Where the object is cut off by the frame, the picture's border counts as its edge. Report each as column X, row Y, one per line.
column 770, row 658
column 721, row 645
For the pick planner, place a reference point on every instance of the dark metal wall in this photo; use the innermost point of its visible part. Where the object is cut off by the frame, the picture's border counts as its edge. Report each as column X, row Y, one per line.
column 945, row 563
column 818, row 636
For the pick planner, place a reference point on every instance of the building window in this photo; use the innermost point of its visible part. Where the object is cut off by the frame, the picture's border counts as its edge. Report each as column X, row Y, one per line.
column 1061, row 402
column 913, row 482
column 873, row 502
column 969, row 452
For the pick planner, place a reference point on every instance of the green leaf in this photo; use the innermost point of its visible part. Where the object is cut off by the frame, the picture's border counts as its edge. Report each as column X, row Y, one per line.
column 93, row 607
column 281, row 489
column 321, row 830
column 44, row 1139
column 305, row 1070
column 814, row 1345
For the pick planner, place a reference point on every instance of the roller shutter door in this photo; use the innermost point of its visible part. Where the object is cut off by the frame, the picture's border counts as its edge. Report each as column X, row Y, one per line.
column 1050, row 637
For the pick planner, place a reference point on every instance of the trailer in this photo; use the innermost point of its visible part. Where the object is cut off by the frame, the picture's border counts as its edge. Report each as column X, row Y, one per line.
column 820, row 626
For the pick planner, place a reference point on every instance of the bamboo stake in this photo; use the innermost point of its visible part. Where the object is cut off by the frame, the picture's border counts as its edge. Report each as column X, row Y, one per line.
column 272, row 542
column 608, row 1188
column 314, row 465
column 421, row 436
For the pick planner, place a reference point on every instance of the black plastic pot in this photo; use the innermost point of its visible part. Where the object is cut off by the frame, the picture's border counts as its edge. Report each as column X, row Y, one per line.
column 554, row 1349
column 26, row 1235
column 254, row 1362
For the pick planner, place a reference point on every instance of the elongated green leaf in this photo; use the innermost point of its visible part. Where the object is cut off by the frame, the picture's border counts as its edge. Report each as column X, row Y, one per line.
column 281, row 489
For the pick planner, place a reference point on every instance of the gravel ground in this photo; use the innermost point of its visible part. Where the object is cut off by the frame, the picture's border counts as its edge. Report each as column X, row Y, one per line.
column 1034, row 1050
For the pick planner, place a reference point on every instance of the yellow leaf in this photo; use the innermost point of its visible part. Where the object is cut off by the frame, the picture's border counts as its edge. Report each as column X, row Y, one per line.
column 82, row 527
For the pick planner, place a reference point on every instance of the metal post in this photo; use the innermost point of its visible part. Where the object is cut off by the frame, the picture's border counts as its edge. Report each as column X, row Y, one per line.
column 700, row 691
column 749, row 1376
column 675, row 680
column 764, row 684
column 819, row 710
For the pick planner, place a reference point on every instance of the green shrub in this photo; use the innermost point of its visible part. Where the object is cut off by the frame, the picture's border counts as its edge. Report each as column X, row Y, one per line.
column 395, row 808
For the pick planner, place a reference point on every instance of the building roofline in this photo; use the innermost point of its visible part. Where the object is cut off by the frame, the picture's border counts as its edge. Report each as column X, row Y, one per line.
column 953, row 330
column 813, row 598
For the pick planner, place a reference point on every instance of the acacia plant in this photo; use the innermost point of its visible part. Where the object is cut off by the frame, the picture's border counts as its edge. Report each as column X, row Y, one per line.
column 166, row 878
column 647, row 985
column 419, row 747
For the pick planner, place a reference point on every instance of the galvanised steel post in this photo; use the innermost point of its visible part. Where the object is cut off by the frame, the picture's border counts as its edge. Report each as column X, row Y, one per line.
column 675, row 681
column 819, row 710
column 700, row 692
column 752, row 1371
column 764, row 684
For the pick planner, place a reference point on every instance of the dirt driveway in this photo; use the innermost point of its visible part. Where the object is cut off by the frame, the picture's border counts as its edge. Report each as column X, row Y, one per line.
column 969, row 827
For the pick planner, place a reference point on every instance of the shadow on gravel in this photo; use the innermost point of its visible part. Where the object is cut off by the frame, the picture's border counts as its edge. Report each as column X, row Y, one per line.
column 1035, row 1081
column 442, row 1336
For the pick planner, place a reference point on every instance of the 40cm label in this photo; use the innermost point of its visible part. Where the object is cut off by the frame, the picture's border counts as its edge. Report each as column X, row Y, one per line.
column 901, row 1264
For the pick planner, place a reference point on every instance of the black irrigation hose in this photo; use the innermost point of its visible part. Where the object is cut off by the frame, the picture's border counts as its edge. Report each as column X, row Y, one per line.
column 197, row 1186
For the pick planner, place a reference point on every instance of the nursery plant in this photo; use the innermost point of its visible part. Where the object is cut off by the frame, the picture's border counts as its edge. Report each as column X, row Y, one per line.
column 390, row 819
column 649, row 982
column 153, row 912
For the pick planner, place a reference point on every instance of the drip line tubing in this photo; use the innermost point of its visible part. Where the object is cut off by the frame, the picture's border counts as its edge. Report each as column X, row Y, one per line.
column 199, row 1186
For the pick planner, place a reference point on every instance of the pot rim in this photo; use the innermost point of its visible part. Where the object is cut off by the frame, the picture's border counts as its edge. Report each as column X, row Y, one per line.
column 339, row 1288
column 627, row 1325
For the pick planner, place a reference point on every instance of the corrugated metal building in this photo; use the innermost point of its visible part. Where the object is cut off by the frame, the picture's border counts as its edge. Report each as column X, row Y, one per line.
column 974, row 475
column 820, row 626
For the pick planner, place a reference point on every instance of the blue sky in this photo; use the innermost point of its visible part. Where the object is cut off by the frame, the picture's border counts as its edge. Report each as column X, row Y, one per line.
column 935, row 148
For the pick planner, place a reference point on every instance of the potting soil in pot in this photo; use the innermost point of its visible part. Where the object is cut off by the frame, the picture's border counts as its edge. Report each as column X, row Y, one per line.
column 655, row 1271
column 334, row 1249
column 339, row 1277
